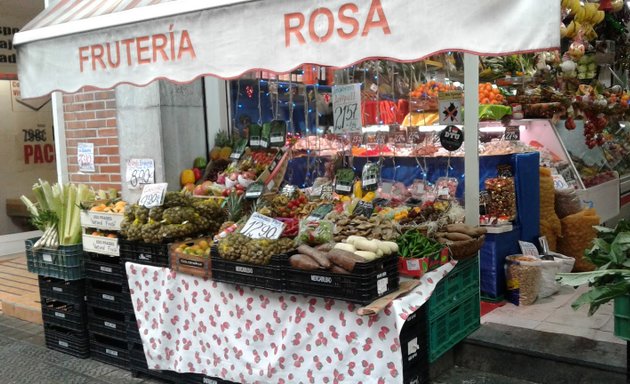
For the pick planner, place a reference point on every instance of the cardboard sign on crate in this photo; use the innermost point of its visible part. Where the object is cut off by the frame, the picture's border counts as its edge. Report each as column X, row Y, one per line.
column 101, row 220
column 101, row 244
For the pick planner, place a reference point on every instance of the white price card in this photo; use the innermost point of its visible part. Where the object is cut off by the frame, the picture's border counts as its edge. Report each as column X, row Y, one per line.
column 262, row 227
column 559, row 182
column 346, row 101
column 153, row 195
column 139, row 172
column 85, row 157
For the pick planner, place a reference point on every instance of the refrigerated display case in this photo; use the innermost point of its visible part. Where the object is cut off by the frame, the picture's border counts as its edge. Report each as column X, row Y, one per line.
column 594, row 173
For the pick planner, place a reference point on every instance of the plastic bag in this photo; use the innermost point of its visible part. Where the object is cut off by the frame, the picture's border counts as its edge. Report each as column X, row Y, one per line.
column 567, row 202
column 523, row 275
column 315, row 232
column 549, row 269
column 550, row 226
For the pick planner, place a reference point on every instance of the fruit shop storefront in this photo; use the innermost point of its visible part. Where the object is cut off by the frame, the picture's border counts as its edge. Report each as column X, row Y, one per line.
column 194, row 325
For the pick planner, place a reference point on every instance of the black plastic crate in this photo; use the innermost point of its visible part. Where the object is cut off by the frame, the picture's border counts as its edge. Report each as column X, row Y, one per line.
column 104, row 268
column 108, row 295
column 414, row 345
column 270, row 276
column 361, row 289
column 109, row 350
column 68, row 291
column 67, row 341
column 144, row 253
column 66, row 315
column 107, row 322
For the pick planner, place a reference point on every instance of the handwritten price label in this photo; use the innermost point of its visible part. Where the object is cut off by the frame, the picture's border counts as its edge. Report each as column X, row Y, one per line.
column 140, row 172
column 512, row 133
column 85, row 157
column 262, row 227
column 153, row 195
column 347, row 108
column 356, row 139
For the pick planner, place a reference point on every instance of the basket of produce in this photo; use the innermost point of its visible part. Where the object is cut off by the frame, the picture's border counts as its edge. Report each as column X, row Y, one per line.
column 462, row 240
column 358, row 270
column 241, row 260
column 419, row 254
column 191, row 257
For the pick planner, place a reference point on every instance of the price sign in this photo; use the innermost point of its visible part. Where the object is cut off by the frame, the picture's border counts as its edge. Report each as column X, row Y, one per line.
column 153, row 195
column 327, row 192
column 262, row 227
column 346, row 101
column 254, row 190
column 363, row 208
column 139, row 172
column 85, row 157
column 356, row 139
column 559, row 182
column 399, row 137
column 413, row 135
column 512, row 133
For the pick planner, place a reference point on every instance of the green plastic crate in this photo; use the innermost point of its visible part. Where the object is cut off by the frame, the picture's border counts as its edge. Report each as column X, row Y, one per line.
column 66, row 262
column 458, row 285
column 453, row 326
column 622, row 317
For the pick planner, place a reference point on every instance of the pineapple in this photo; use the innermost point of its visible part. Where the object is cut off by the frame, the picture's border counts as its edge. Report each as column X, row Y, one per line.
column 234, row 207
column 222, row 139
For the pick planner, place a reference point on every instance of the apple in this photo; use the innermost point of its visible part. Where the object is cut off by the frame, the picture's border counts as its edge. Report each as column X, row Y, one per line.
column 207, row 186
column 234, row 176
column 199, row 190
column 226, row 192
column 221, row 178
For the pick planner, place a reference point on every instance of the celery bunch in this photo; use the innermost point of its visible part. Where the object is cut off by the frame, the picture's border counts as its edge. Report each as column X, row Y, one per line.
column 57, row 213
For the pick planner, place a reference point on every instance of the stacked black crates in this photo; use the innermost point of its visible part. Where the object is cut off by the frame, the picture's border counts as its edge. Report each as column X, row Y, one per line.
column 62, row 292
column 65, row 317
column 108, row 306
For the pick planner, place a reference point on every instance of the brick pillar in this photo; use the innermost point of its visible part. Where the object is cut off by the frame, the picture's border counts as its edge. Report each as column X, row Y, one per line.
column 90, row 117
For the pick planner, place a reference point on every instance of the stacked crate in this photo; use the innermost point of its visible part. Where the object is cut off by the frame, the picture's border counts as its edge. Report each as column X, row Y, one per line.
column 62, row 292
column 108, row 303
column 453, row 309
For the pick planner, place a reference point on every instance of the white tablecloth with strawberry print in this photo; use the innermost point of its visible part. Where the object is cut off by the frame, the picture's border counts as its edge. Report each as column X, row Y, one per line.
column 248, row 335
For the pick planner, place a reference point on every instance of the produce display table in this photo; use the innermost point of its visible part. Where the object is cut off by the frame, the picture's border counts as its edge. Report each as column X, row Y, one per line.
column 189, row 324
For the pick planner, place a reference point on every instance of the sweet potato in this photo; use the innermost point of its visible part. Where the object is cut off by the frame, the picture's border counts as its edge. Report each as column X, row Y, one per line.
column 318, row 256
column 338, row 269
column 344, row 259
column 462, row 228
column 304, row 262
column 325, row 247
column 457, row 236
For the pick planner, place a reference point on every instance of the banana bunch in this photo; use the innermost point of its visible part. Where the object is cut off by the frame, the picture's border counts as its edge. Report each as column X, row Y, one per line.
column 584, row 19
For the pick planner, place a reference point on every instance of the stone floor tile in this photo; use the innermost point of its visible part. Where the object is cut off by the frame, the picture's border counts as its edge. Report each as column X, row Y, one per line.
column 566, row 329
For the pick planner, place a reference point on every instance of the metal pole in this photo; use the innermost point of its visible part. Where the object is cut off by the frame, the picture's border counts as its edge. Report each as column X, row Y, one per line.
column 628, row 362
column 471, row 138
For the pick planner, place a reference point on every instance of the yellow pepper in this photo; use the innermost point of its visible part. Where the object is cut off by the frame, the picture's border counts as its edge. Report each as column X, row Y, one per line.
column 357, row 190
column 369, row 197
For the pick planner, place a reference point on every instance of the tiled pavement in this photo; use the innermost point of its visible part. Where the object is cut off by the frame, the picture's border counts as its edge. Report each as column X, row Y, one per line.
column 24, row 359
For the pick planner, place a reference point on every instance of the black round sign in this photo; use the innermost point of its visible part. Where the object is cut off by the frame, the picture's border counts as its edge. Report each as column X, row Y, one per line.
column 451, row 138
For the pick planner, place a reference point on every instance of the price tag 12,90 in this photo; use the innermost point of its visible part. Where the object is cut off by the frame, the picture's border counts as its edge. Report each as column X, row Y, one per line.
column 153, row 195
column 262, row 227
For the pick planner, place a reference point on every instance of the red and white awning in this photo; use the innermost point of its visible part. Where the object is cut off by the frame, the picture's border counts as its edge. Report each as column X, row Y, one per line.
column 102, row 43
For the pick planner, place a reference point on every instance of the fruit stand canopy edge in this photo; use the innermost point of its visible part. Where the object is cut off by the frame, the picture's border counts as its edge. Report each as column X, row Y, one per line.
column 77, row 43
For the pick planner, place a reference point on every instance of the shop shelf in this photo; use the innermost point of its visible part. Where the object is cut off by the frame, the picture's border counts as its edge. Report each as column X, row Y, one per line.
column 109, row 350
column 67, row 341
column 65, row 315
column 453, row 326
column 453, row 289
column 103, row 268
column 65, row 263
column 622, row 317
column 107, row 323
column 143, row 253
column 108, row 296
column 63, row 290
column 356, row 288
